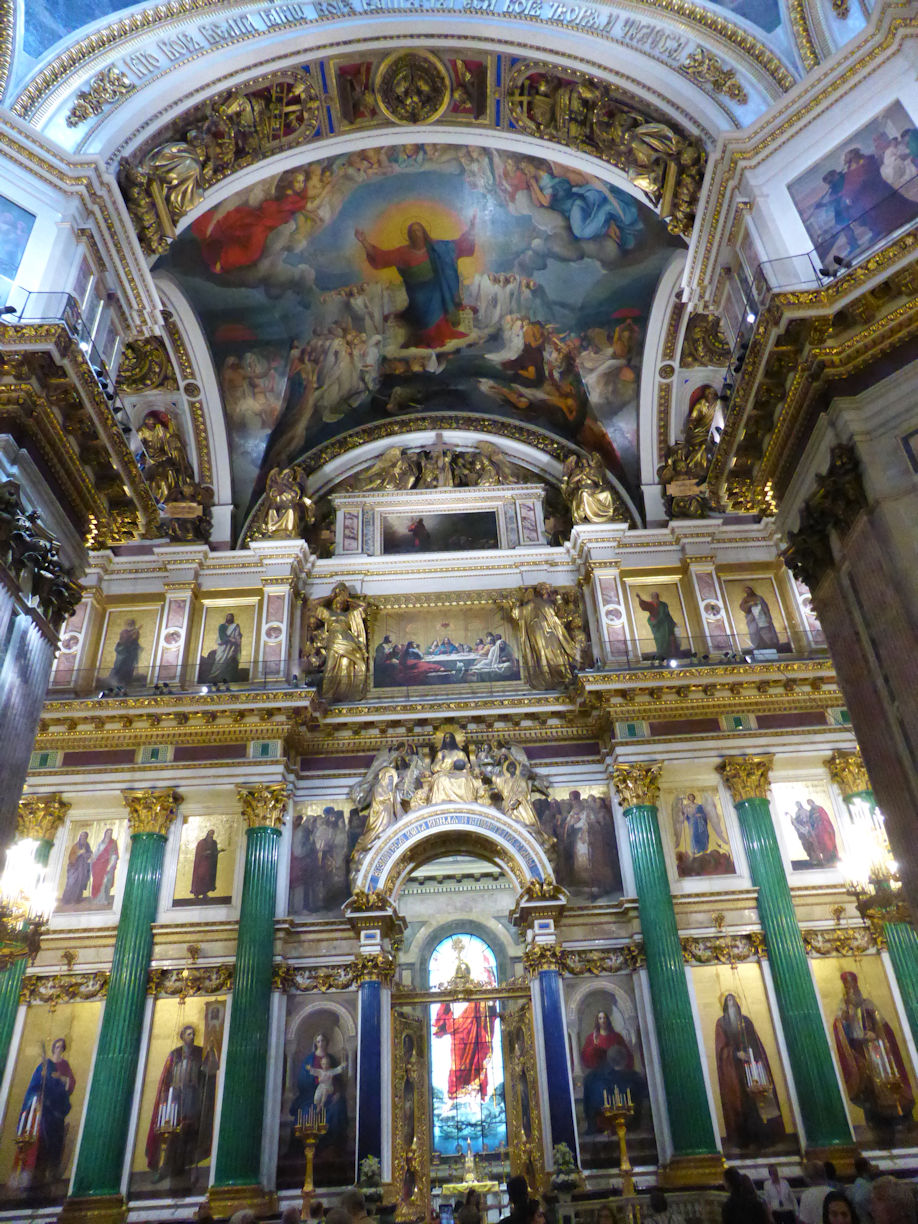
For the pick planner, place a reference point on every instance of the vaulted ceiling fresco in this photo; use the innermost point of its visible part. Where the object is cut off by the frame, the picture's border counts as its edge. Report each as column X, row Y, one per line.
column 418, row 280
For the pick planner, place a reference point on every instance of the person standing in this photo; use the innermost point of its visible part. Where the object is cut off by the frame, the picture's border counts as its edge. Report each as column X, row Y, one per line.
column 102, row 869
column 811, row 1200
column 779, row 1197
column 225, row 666
column 43, row 1114
column 204, row 870
column 862, row 1190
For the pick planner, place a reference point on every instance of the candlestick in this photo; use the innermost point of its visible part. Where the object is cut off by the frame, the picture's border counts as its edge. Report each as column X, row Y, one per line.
column 617, row 1115
column 309, row 1129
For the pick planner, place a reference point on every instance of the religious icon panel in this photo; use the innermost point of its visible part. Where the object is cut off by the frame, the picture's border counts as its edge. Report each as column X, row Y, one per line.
column 414, row 533
column 48, row 1087
column 700, row 839
column 808, row 826
column 15, row 228
column 320, row 1083
column 207, row 861
column 176, row 1128
column 607, row 1060
column 431, row 646
column 579, row 819
column 128, row 647
column 757, row 614
column 869, row 1045
column 659, row 619
column 750, row 1089
column 321, row 844
column 92, row 865
column 466, row 1055
column 227, row 643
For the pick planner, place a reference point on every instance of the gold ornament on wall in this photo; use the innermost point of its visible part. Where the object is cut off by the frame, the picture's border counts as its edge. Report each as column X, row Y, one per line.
column 705, row 68
column 146, row 366
column 746, row 777
column 40, row 816
column 264, row 806
column 723, row 949
column 637, row 784
column 704, row 343
column 846, row 769
column 412, row 87
column 151, row 811
column 105, row 87
column 285, row 510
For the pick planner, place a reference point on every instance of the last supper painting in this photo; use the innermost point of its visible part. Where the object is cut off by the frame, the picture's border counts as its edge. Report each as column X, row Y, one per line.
column 416, row 280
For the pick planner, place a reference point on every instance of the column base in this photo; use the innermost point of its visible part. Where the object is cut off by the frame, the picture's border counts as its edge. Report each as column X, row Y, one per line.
column 842, row 1155
column 94, row 1209
column 225, row 1200
column 683, row 1172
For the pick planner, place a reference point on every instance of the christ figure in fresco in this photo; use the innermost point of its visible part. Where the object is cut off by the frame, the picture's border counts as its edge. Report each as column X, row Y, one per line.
column 430, row 272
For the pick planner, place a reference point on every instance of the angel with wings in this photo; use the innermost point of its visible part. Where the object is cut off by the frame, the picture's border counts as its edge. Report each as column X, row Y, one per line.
column 698, row 830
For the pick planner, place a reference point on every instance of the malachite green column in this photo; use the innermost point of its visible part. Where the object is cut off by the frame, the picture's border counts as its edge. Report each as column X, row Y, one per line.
column 100, row 1159
column 690, row 1125
column 40, row 817
column 238, row 1161
column 848, row 773
column 822, row 1109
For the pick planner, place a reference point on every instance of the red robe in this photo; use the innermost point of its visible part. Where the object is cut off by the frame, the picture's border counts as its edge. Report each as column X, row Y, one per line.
column 594, row 1049
column 237, row 239
column 472, row 1036
column 100, row 865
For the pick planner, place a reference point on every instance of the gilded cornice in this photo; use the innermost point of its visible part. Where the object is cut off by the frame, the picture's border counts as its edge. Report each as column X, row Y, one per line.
column 7, row 18
column 52, row 989
column 840, row 941
column 847, row 771
column 151, row 811
column 189, row 981
column 803, row 37
column 723, row 949
column 746, row 777
column 264, row 806
column 637, row 783
column 40, row 816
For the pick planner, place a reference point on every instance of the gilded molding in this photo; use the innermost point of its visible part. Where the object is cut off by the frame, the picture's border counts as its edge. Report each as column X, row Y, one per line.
column 54, row 989
column 746, row 777
column 193, row 400
column 705, row 68
column 151, row 811
column 840, row 941
column 803, row 36
column 7, row 17
column 40, row 816
column 637, row 784
column 302, row 979
column 105, row 87
column 146, row 366
column 723, row 949
column 847, row 771
column 583, row 962
column 191, row 980
column 264, row 806
column 703, row 343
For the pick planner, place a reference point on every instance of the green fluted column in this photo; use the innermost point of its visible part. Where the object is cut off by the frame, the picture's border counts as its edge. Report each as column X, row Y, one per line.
column 40, row 817
column 849, row 775
column 101, row 1155
column 822, row 1109
column 238, row 1161
column 691, row 1128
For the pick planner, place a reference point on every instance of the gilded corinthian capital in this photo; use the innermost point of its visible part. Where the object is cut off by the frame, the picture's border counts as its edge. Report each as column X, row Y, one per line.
column 264, row 807
column 846, row 769
column 40, row 816
column 151, row 811
column 637, row 784
column 747, row 776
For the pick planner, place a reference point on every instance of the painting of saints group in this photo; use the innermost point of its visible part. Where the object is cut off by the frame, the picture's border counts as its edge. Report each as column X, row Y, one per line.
column 607, row 1061
column 424, row 279
column 440, row 646
column 90, row 867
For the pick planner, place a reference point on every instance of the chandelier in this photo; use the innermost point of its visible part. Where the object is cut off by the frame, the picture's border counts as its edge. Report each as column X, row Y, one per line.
column 871, row 873
column 26, row 901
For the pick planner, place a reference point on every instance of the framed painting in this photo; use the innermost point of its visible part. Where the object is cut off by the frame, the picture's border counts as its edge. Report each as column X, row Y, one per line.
column 15, row 228
column 437, row 644
column 227, row 644
column 94, row 861
column 659, row 619
column 128, row 646
column 698, row 832
column 580, row 820
column 758, row 618
column 323, row 837
column 808, row 825
column 423, row 533
column 207, row 861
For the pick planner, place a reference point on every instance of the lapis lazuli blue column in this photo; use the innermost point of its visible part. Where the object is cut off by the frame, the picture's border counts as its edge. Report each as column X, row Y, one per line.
column 369, row 1072
column 557, row 1075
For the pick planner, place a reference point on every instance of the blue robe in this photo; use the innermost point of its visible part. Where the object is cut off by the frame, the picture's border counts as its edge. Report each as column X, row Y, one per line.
column 590, row 209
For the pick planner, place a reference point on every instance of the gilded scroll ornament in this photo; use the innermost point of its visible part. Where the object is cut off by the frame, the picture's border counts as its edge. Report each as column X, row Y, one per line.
column 723, row 949
column 637, row 784
column 412, row 87
column 192, row 980
column 264, row 806
column 839, row 941
column 151, row 811
column 40, row 816
column 583, row 962
column 146, row 366
column 285, row 511
column 846, row 769
column 704, row 67
column 300, row 979
column 54, row 989
column 703, row 343
column 746, row 777
column 106, row 86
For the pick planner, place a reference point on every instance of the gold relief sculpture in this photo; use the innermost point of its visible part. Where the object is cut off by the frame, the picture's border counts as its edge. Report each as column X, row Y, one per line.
column 703, row 343
column 550, row 654
column 637, row 784
column 175, row 178
column 336, row 641
column 583, row 962
column 684, row 494
column 537, row 957
column 394, row 469
column 746, row 777
column 168, row 466
column 106, row 86
column 197, row 980
column 56, row 988
column 704, row 67
column 410, row 1120
column 295, row 979
column 151, row 811
column 412, row 87
column 846, row 769
column 368, row 901
column 587, row 491
column 723, row 949
column 840, row 941
column 265, row 806
column 543, row 890
column 698, row 426
column 40, row 816
column 146, row 366
column 286, row 510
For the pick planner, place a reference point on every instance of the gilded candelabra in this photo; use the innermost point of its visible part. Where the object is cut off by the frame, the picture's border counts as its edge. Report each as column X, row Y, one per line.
column 309, row 1129
column 616, row 1110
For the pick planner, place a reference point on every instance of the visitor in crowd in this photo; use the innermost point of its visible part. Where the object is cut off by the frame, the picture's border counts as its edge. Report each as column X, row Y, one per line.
column 470, row 1211
column 338, row 1215
column 836, row 1209
column 811, row 1200
column 779, row 1197
column 242, row 1217
column 859, row 1192
column 660, row 1211
column 518, row 1194
column 743, row 1206
column 831, row 1176
column 892, row 1202
column 604, row 1215
column 353, row 1203
column 291, row 1215
column 535, row 1213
